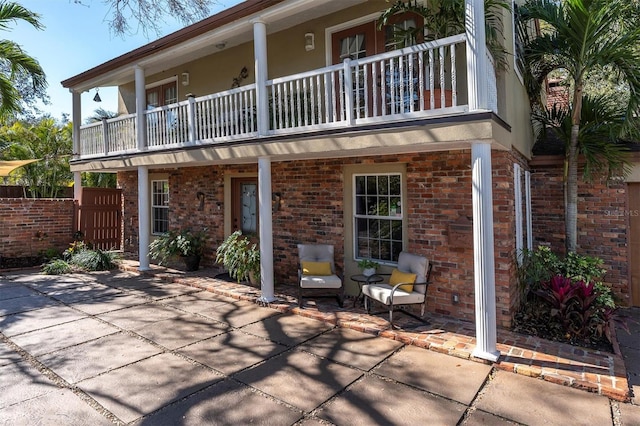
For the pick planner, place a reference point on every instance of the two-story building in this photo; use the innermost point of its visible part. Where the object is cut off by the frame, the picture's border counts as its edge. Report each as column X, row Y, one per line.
column 304, row 121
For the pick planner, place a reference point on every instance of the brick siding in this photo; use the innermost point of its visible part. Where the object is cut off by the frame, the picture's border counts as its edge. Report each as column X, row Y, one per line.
column 29, row 226
column 438, row 193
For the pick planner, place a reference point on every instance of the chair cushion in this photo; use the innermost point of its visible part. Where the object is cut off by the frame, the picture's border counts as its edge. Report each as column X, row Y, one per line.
column 398, row 277
column 418, row 265
column 320, row 281
column 316, row 268
column 382, row 293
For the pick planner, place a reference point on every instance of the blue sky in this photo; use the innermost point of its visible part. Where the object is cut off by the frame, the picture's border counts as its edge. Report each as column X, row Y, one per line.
column 76, row 38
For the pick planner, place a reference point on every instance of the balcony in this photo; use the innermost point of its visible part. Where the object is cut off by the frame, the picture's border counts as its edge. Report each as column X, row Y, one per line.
column 401, row 85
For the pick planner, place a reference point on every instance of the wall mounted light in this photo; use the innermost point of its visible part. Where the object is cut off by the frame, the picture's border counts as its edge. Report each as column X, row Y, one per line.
column 200, row 197
column 276, row 201
column 309, row 41
column 96, row 98
column 185, row 78
column 221, row 45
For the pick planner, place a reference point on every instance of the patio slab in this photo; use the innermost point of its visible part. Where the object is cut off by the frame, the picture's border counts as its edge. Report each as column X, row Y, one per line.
column 288, row 329
column 14, row 291
column 106, row 304
column 453, row 378
column 232, row 351
column 163, row 290
column 219, row 405
column 532, row 401
column 300, row 379
column 51, row 283
column 198, row 303
column 353, row 348
column 24, row 304
column 238, row 313
column 139, row 316
column 141, row 388
column 376, row 401
column 629, row 414
column 20, row 382
column 60, row 407
column 183, row 330
column 8, row 355
column 482, row 418
column 84, row 292
column 98, row 356
column 24, row 322
column 62, row 336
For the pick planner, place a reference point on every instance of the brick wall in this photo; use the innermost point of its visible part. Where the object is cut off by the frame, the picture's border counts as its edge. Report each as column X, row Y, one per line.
column 602, row 224
column 438, row 193
column 29, row 226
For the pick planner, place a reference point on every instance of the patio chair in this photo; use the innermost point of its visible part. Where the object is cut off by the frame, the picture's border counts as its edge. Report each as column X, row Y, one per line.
column 317, row 272
column 407, row 285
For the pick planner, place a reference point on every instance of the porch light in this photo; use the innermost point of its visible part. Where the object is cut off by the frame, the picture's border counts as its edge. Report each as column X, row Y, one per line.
column 96, row 98
column 185, row 78
column 309, row 41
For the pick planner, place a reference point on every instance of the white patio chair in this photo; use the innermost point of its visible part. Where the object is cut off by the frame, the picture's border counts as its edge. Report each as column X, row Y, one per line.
column 317, row 272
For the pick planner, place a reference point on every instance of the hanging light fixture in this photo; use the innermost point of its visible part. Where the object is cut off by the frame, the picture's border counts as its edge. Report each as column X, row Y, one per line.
column 96, row 98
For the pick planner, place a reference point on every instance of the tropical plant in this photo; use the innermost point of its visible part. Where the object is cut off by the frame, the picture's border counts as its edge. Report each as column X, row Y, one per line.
column 47, row 141
column 184, row 243
column 444, row 18
column 581, row 37
column 19, row 63
column 239, row 256
column 94, row 260
column 57, row 267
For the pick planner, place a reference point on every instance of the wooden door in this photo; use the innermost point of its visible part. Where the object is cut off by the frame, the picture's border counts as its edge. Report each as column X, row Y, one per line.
column 634, row 241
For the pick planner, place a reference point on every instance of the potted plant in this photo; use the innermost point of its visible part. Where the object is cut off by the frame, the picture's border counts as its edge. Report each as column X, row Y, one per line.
column 240, row 257
column 368, row 267
column 186, row 244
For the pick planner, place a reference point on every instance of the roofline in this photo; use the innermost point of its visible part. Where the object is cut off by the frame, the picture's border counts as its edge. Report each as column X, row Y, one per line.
column 235, row 13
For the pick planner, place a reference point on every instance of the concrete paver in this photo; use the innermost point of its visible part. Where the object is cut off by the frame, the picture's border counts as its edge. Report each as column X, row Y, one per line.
column 16, row 291
column 237, row 313
column 8, row 355
column 158, row 291
column 25, row 304
column 59, row 407
column 141, row 388
column 540, row 402
column 24, row 322
column 181, row 331
column 479, row 417
column 84, row 292
column 106, row 304
column 140, row 315
column 300, row 379
column 25, row 378
column 88, row 359
column 287, row 329
column 225, row 403
column 353, row 348
column 232, row 351
column 376, row 401
column 453, row 378
column 62, row 336
column 629, row 415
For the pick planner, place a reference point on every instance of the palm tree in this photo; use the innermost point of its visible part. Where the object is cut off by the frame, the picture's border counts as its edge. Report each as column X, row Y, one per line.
column 581, row 37
column 16, row 60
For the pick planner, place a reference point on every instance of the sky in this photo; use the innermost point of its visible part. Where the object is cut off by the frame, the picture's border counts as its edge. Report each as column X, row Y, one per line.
column 76, row 38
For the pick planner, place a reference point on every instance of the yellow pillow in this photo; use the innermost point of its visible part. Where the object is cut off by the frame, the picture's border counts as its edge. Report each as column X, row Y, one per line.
column 398, row 277
column 316, row 268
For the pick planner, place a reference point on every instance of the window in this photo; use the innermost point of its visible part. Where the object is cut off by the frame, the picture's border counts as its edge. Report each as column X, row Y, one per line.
column 161, row 95
column 160, row 206
column 378, row 216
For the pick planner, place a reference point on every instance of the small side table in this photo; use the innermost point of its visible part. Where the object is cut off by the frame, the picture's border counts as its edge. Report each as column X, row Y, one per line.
column 362, row 280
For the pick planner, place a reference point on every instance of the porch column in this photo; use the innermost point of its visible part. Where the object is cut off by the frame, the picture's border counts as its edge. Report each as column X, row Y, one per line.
column 262, row 74
column 141, row 106
column 484, row 268
column 266, row 230
column 76, row 117
column 144, row 217
column 476, row 55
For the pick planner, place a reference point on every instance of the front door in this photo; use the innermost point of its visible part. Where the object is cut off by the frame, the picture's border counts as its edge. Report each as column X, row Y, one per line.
column 634, row 241
column 244, row 205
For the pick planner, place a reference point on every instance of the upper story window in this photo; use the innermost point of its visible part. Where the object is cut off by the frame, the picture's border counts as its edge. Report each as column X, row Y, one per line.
column 378, row 207
column 159, row 206
column 163, row 94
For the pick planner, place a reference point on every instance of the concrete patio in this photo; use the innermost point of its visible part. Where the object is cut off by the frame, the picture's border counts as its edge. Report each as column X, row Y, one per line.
column 121, row 348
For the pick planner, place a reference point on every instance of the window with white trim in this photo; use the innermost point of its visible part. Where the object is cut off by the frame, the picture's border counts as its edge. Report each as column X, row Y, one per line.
column 378, row 207
column 159, row 206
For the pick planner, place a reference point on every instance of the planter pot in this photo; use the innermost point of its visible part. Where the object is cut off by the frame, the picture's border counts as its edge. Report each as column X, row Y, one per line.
column 367, row 272
column 191, row 263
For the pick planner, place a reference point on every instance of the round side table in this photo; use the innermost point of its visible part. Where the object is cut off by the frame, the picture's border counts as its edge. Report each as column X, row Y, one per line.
column 362, row 280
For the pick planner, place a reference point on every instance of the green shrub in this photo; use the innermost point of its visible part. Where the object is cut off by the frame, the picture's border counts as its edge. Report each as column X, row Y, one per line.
column 94, row 260
column 56, row 267
column 50, row 254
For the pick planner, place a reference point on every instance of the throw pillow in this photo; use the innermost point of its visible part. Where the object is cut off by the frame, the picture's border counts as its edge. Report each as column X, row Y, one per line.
column 316, row 268
column 398, row 277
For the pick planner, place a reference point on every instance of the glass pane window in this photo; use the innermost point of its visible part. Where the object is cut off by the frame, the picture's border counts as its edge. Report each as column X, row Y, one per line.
column 378, row 216
column 159, row 206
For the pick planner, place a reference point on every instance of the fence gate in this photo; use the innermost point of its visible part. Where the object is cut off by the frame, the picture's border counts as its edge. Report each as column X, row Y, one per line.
column 99, row 217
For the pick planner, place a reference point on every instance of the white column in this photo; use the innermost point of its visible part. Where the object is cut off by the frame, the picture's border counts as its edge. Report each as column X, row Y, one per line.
column 262, row 74
column 476, row 55
column 76, row 118
column 144, row 217
column 484, row 268
column 141, row 106
column 77, row 185
column 266, row 230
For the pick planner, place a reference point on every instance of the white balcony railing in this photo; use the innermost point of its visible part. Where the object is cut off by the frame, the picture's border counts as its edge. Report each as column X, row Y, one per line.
column 415, row 82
